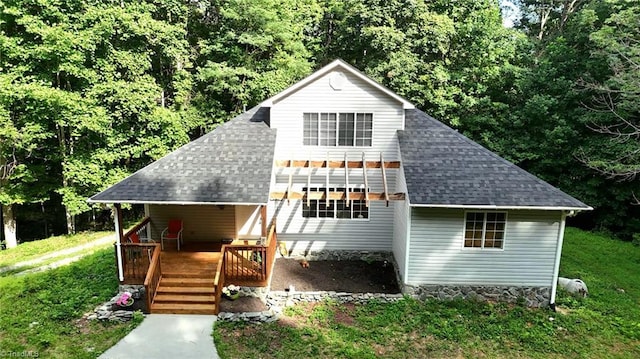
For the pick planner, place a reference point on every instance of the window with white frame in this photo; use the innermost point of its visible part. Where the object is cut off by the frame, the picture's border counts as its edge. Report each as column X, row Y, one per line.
column 320, row 208
column 337, row 129
column 485, row 230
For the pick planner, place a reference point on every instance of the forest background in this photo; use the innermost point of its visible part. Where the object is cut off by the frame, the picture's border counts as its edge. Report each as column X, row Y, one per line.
column 91, row 91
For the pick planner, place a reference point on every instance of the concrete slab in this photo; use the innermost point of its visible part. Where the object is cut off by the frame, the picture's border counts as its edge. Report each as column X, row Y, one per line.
column 171, row 336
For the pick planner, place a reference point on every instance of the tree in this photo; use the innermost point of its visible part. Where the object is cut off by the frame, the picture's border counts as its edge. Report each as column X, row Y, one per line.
column 615, row 102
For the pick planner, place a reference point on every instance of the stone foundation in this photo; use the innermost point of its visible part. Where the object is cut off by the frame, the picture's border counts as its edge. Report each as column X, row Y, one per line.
column 109, row 312
column 535, row 297
column 336, row 255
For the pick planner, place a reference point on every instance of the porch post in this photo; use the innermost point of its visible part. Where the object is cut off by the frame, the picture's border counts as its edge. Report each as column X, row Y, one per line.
column 263, row 218
column 117, row 218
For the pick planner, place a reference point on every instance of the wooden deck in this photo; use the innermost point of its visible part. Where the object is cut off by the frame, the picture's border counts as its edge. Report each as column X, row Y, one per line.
column 187, row 283
column 190, row 281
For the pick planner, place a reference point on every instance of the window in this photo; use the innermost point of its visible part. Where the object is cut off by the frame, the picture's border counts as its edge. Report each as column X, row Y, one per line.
column 364, row 129
column 320, row 208
column 327, row 129
column 310, row 129
column 484, row 229
column 337, row 129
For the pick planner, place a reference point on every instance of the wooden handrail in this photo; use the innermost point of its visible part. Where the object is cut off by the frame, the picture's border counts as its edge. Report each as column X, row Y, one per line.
column 137, row 227
column 154, row 274
column 218, row 281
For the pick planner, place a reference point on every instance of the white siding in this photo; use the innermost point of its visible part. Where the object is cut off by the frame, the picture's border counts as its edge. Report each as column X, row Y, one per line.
column 248, row 222
column 200, row 223
column 319, row 96
column 437, row 256
column 401, row 213
column 315, row 234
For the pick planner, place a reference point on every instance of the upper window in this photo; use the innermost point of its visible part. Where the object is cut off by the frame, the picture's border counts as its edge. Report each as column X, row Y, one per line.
column 485, row 230
column 320, row 208
column 337, row 129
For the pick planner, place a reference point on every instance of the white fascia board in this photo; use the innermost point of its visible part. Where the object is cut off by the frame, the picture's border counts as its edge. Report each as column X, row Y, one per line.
column 488, row 206
column 181, row 203
column 323, row 71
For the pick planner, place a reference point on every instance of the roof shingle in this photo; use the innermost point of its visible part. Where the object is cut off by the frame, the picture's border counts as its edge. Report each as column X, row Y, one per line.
column 443, row 167
column 231, row 164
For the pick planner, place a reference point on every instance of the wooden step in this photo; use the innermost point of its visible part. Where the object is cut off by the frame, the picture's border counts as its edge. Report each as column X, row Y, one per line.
column 186, row 290
column 185, row 298
column 182, row 308
column 186, row 282
column 195, row 274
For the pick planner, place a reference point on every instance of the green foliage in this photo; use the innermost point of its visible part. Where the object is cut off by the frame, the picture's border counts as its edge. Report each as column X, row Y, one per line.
column 41, row 312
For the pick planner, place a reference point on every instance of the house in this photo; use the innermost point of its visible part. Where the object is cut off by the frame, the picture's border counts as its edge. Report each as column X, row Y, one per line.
column 338, row 165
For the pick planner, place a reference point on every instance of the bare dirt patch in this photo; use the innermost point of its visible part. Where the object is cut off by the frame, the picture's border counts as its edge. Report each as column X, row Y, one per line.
column 339, row 276
column 242, row 304
column 344, row 314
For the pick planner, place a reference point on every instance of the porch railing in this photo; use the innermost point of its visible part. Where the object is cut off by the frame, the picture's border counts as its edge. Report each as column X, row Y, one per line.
column 136, row 257
column 246, row 264
column 154, row 274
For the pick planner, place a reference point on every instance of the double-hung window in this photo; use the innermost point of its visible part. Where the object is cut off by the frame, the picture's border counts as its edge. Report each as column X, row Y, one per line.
column 485, row 230
column 337, row 129
column 320, row 208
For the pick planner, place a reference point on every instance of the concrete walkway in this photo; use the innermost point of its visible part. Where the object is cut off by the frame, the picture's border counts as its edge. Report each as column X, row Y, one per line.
column 168, row 336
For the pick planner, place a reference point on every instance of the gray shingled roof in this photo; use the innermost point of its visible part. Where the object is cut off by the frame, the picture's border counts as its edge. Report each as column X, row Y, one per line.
column 443, row 167
column 231, row 164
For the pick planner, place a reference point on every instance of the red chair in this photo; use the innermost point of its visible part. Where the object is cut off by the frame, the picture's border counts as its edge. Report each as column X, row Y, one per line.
column 173, row 231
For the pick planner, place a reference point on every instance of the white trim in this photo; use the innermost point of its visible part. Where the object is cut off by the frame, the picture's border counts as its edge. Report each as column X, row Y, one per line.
column 493, row 207
column 408, row 245
column 325, row 70
column 556, row 266
column 178, row 202
column 118, row 246
column 146, row 214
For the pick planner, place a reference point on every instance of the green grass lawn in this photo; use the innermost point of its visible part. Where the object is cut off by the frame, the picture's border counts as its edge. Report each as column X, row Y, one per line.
column 31, row 250
column 604, row 325
column 40, row 313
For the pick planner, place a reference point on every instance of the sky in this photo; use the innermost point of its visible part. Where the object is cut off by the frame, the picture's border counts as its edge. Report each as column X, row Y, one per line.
column 510, row 13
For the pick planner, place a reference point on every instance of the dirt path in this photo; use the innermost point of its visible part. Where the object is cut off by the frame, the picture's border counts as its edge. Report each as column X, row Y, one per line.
column 84, row 249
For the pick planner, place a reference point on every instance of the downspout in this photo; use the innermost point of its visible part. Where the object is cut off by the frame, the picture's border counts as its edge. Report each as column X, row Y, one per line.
column 118, row 242
column 556, row 267
column 407, row 255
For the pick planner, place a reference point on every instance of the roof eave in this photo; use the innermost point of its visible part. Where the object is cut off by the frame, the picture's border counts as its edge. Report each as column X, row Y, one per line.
column 323, row 71
column 180, row 203
column 496, row 207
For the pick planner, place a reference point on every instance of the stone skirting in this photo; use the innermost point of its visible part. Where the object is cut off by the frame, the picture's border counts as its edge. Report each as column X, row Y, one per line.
column 339, row 255
column 276, row 301
column 535, row 297
column 109, row 312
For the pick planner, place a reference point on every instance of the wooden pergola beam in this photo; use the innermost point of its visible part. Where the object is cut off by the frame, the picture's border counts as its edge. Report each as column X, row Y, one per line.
column 346, row 178
column 326, row 184
column 384, row 181
column 366, row 181
column 335, row 164
column 290, row 182
column 309, row 183
column 338, row 195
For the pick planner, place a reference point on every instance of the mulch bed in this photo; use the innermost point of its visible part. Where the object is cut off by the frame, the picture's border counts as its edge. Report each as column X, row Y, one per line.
column 339, row 276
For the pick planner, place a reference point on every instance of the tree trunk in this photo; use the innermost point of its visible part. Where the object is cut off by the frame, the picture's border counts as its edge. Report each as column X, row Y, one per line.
column 71, row 221
column 9, row 225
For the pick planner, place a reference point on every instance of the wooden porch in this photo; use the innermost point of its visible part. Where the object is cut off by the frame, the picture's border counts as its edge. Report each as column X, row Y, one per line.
column 190, row 281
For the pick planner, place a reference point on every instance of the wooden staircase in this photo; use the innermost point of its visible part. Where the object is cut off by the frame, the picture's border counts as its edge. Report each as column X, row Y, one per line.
column 187, row 283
